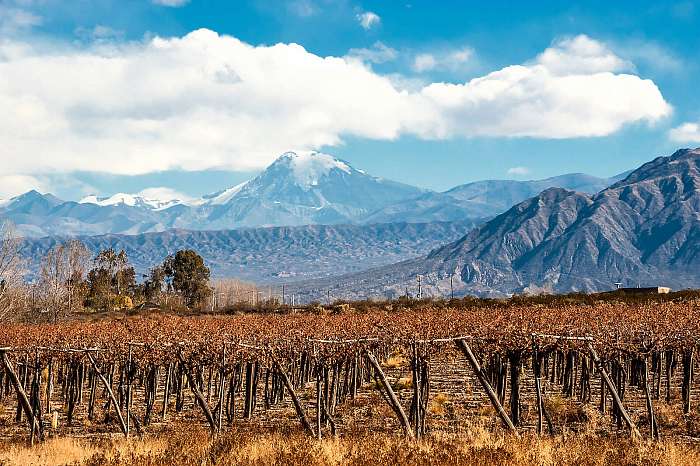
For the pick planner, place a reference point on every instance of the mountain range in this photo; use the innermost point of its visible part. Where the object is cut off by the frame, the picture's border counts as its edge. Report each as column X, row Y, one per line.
column 642, row 230
column 299, row 188
column 273, row 254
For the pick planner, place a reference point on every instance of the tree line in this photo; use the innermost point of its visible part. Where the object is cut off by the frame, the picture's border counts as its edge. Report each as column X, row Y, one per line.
column 72, row 279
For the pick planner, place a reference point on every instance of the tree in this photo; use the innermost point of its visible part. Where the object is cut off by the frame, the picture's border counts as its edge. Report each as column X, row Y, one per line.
column 53, row 278
column 188, row 276
column 153, row 284
column 111, row 280
column 11, row 271
column 77, row 263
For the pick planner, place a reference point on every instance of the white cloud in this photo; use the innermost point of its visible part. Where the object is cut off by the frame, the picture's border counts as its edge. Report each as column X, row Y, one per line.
column 652, row 54
column 14, row 18
column 171, row 3
column 378, row 53
column 369, row 19
column 162, row 193
column 424, row 62
column 14, row 185
column 444, row 60
column 570, row 90
column 687, row 132
column 518, row 171
column 581, row 54
column 303, row 8
column 207, row 101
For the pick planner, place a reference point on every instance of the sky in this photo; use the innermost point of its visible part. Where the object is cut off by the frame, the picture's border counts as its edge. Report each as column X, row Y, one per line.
column 187, row 97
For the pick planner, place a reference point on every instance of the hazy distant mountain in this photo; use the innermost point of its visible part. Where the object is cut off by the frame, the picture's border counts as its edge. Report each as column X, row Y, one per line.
column 642, row 230
column 483, row 199
column 299, row 188
column 277, row 254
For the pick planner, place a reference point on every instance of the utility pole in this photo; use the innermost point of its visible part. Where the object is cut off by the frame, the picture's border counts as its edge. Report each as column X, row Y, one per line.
column 283, row 289
column 420, row 289
column 328, row 297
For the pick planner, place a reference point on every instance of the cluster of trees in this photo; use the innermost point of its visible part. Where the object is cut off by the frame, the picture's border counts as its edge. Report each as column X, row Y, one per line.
column 70, row 279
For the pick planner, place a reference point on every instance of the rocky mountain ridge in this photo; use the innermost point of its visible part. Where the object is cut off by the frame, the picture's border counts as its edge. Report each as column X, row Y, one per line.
column 643, row 230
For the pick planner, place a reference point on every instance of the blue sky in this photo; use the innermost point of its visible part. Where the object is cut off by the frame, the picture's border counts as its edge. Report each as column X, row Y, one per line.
column 105, row 87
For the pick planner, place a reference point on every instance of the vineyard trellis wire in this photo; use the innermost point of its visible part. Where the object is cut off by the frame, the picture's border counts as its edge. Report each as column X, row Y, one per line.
column 246, row 359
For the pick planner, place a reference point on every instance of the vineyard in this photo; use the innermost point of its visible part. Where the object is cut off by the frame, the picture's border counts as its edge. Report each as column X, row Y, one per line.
column 338, row 371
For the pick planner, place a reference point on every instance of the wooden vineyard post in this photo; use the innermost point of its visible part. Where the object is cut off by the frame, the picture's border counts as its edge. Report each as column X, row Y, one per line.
column 122, row 423
column 21, row 394
column 319, row 433
column 417, row 403
column 481, row 376
column 295, row 399
column 198, row 395
column 222, row 379
column 653, row 425
column 166, row 391
column 391, row 396
column 128, row 393
column 611, row 387
column 541, row 411
column 515, row 358
column 688, row 357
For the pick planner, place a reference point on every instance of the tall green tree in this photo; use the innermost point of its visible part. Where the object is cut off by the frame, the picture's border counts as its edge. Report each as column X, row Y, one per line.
column 187, row 274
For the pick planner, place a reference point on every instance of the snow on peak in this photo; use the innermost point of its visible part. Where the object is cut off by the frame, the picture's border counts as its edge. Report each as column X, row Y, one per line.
column 116, row 199
column 310, row 166
column 151, row 198
column 222, row 197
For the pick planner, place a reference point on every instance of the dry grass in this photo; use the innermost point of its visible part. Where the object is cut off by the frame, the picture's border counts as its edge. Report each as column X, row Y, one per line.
column 477, row 445
column 395, row 361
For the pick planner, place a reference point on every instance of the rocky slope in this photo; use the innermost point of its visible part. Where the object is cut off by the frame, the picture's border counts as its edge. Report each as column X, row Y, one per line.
column 643, row 230
column 278, row 254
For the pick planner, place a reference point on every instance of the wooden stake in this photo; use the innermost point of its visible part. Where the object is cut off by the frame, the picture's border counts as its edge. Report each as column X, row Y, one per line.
column 616, row 398
column 21, row 394
column 198, row 395
column 122, row 423
column 166, row 391
column 653, row 425
column 295, row 399
column 481, row 376
column 222, row 379
column 391, row 396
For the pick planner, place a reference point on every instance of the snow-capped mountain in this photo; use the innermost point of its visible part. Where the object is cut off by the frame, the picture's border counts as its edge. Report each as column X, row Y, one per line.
column 131, row 200
column 304, row 188
column 299, row 188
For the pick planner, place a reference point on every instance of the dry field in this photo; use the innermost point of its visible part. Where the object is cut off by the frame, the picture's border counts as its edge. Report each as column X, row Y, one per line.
column 558, row 382
column 476, row 446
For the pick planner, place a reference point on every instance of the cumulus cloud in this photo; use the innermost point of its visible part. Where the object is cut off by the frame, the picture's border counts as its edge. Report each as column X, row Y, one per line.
column 171, row 3
column 518, row 171
column 368, row 19
column 207, row 101
column 687, row 132
column 581, row 54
